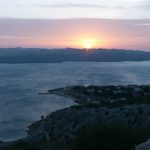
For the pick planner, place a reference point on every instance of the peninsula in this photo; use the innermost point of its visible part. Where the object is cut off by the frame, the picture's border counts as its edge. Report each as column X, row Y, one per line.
column 105, row 95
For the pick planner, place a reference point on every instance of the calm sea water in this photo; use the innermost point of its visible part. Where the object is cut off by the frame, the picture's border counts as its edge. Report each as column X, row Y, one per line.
column 20, row 104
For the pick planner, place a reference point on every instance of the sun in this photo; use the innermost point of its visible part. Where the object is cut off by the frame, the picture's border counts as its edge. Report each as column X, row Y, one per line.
column 88, row 44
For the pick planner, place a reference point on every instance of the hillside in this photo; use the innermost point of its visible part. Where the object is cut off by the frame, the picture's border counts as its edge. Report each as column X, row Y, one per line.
column 65, row 124
column 36, row 55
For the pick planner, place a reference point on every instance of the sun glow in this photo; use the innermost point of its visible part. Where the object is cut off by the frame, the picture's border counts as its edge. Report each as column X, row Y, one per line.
column 89, row 43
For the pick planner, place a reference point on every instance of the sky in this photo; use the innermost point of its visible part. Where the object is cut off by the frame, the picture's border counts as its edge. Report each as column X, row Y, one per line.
column 75, row 23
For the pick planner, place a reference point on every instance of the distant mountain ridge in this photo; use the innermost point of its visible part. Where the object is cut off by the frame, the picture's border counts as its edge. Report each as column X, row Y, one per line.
column 39, row 55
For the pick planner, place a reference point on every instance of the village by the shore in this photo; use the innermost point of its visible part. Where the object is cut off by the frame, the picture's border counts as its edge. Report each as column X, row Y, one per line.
column 104, row 95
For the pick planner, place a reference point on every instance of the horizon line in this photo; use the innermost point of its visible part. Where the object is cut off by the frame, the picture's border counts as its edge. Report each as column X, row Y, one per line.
column 58, row 48
column 75, row 18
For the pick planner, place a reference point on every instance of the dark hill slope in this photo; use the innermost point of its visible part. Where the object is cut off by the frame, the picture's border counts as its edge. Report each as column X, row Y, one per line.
column 33, row 55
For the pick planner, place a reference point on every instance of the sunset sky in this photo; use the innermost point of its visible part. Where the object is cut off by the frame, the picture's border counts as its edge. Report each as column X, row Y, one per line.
column 75, row 23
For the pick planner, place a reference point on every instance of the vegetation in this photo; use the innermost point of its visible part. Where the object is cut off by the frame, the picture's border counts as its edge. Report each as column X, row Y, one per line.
column 113, row 96
column 111, row 136
column 20, row 145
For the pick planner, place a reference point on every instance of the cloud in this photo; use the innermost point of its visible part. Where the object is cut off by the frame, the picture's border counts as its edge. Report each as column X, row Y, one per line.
column 70, row 5
column 144, row 5
column 143, row 24
column 67, row 5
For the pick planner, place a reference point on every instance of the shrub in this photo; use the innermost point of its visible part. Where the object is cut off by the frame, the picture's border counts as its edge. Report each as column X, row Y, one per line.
column 20, row 145
column 111, row 136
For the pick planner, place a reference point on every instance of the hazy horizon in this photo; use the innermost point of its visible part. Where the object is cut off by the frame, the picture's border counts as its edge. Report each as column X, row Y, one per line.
column 123, row 24
column 76, row 48
column 77, row 33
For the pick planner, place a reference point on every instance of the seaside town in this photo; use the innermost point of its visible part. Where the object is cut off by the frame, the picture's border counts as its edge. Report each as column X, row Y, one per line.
column 105, row 95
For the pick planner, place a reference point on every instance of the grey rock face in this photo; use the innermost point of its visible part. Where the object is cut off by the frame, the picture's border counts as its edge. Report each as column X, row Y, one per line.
column 144, row 146
column 63, row 125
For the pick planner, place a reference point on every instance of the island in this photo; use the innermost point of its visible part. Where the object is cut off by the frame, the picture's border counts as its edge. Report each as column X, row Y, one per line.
column 41, row 55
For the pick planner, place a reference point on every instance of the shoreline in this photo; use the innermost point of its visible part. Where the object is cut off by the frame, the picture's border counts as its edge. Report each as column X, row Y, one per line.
column 103, row 95
column 64, row 124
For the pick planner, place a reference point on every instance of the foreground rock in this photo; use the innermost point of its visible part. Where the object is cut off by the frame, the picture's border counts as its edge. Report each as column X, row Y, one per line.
column 61, row 128
column 144, row 146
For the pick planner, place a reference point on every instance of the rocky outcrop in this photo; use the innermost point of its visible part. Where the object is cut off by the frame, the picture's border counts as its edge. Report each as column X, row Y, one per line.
column 144, row 146
column 62, row 127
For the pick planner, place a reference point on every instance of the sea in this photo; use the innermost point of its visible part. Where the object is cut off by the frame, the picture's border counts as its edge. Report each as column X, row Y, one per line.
column 21, row 105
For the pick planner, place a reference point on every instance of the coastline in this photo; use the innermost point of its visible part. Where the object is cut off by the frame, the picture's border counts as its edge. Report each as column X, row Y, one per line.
column 65, row 124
